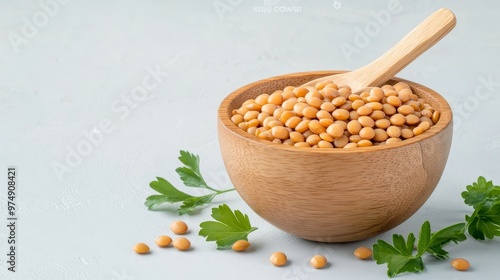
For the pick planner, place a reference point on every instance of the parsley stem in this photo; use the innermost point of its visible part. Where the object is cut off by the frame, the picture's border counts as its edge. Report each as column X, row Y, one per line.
column 218, row 191
column 472, row 217
column 223, row 191
column 209, row 188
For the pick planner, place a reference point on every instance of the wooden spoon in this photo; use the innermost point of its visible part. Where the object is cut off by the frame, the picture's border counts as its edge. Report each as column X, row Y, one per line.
column 420, row 39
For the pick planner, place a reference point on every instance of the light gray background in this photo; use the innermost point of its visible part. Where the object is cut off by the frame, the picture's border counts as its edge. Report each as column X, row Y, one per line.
column 64, row 78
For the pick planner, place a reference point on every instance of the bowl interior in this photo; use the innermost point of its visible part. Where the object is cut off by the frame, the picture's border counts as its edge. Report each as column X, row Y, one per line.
column 235, row 99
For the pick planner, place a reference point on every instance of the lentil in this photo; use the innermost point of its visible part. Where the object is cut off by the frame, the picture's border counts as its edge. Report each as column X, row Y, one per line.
column 182, row 244
column 350, row 145
column 335, row 130
column 302, row 145
column 329, row 107
column 278, row 259
column 366, row 121
column 240, row 245
column 268, row 108
column 339, row 101
column 313, row 139
column 435, row 117
column 316, row 127
column 141, row 248
column 412, row 119
column 375, row 105
column 367, row 133
column 354, row 127
column 364, row 110
column 262, row 99
column 406, row 133
column 393, row 131
column 318, row 261
column 388, row 109
column 327, row 137
column 303, row 126
column 275, row 98
column 425, row 125
column 354, row 138
column 364, row 143
column 179, row 227
column 163, row 241
column 280, row 132
column 300, row 91
column 406, row 110
column 356, row 104
column 237, row 119
column 324, row 144
column 418, row 130
column 341, row 114
column 377, row 115
column 341, row 142
column 326, row 122
column 293, row 122
column 363, row 253
column 394, row 101
column 380, row 135
column 383, row 123
column 460, row 264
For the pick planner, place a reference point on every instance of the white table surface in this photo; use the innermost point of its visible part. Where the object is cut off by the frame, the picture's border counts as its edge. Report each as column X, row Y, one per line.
column 67, row 74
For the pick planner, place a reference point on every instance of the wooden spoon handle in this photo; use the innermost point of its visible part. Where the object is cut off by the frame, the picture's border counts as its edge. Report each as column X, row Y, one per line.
column 420, row 39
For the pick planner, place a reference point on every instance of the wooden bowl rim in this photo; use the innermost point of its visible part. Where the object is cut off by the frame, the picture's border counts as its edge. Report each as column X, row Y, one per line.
column 223, row 116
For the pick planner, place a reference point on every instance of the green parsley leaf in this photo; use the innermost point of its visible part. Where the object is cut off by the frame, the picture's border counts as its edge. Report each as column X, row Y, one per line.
column 227, row 228
column 477, row 192
column 424, row 238
column 168, row 194
column 494, row 194
column 154, row 202
column 485, row 221
column 191, row 176
column 191, row 161
column 485, row 198
column 399, row 257
column 189, row 205
column 164, row 187
column 453, row 233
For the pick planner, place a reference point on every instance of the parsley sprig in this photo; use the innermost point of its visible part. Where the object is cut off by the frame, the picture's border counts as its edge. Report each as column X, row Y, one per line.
column 482, row 195
column 227, row 228
column 191, row 177
column 400, row 258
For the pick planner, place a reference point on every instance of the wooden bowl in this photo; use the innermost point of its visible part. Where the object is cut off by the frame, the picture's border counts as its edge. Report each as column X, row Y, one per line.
column 333, row 195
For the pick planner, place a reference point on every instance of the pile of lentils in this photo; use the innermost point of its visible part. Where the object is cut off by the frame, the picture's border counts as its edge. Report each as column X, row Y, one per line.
column 329, row 116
